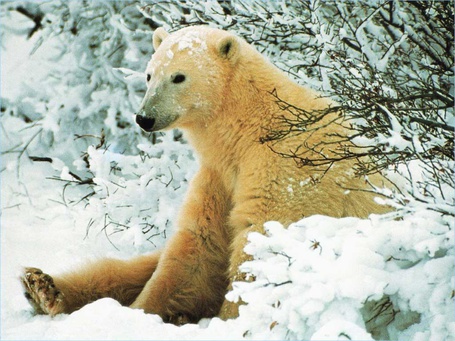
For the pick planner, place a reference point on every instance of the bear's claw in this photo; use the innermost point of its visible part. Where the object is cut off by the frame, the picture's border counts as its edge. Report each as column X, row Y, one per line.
column 41, row 292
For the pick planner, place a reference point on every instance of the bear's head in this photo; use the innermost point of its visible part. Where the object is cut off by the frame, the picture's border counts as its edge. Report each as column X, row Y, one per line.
column 186, row 77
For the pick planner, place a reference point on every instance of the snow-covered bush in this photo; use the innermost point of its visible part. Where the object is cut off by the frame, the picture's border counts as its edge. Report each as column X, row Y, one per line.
column 71, row 84
column 72, row 79
column 70, row 99
column 133, row 199
column 325, row 278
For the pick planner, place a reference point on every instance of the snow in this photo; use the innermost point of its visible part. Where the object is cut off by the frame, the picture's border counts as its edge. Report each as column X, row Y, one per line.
column 192, row 41
column 321, row 278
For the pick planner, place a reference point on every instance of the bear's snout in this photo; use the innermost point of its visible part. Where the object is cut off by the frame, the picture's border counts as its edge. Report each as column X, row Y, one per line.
column 145, row 123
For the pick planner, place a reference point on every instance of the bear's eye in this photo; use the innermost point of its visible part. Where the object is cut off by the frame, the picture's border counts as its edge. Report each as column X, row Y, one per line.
column 178, row 78
column 148, row 77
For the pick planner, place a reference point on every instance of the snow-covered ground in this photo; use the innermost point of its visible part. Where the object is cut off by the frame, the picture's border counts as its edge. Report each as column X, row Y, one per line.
column 320, row 279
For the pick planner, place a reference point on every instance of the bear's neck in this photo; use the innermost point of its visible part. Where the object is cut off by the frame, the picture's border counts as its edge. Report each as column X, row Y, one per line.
column 244, row 115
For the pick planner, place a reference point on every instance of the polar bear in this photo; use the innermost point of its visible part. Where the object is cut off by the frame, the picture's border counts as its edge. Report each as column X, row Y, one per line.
column 229, row 100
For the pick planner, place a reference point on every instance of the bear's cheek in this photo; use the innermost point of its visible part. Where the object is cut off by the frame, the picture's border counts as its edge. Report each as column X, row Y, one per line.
column 200, row 103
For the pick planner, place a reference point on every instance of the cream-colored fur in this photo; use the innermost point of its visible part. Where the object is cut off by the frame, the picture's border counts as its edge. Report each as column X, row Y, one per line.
column 225, row 106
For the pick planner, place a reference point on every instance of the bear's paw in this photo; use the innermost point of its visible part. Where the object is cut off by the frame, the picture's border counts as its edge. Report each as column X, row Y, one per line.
column 41, row 292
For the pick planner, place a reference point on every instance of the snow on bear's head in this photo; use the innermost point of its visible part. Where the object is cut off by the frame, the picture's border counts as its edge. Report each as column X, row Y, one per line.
column 186, row 77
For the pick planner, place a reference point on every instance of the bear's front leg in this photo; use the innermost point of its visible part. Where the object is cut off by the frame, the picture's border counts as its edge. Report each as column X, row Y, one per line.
column 191, row 279
column 230, row 309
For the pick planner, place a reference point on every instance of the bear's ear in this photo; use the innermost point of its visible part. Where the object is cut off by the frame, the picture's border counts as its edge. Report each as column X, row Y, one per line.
column 229, row 48
column 158, row 36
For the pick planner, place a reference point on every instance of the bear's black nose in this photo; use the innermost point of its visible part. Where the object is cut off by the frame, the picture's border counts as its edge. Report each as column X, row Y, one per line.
column 145, row 123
